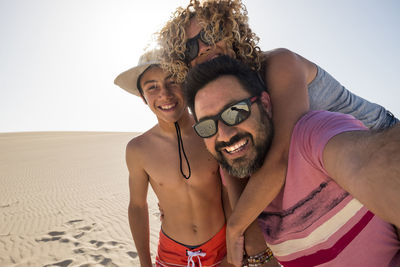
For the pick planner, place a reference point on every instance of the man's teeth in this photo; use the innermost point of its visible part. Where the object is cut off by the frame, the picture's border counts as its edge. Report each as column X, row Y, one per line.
column 167, row 106
column 236, row 147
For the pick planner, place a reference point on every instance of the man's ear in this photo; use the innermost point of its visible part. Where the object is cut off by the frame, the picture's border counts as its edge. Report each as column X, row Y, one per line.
column 266, row 103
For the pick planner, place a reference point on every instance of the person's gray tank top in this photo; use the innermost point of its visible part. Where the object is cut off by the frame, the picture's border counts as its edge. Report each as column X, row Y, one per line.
column 326, row 93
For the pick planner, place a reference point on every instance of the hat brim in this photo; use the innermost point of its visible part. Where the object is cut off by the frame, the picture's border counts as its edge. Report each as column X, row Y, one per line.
column 127, row 80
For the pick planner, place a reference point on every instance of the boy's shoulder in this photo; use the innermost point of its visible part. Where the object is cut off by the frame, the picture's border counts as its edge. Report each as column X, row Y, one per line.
column 142, row 141
column 141, row 148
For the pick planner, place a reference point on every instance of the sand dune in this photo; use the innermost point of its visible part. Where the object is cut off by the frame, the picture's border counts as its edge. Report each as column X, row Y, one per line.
column 64, row 198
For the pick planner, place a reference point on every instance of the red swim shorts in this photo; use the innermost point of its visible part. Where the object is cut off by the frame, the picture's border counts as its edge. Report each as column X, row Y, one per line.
column 211, row 253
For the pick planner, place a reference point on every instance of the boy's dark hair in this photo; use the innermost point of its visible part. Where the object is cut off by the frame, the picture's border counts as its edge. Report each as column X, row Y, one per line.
column 202, row 74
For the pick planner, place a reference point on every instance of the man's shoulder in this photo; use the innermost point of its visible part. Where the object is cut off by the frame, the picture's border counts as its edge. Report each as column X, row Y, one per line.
column 325, row 123
column 323, row 117
column 317, row 127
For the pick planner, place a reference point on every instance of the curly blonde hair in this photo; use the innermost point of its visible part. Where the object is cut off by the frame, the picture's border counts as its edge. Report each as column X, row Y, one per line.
column 214, row 16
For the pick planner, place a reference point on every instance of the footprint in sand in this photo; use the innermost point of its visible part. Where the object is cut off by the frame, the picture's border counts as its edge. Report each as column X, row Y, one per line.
column 103, row 260
column 96, row 243
column 63, row 263
column 61, row 236
column 54, row 236
column 132, row 254
column 56, row 233
column 83, row 230
column 79, row 251
column 74, row 221
column 77, row 233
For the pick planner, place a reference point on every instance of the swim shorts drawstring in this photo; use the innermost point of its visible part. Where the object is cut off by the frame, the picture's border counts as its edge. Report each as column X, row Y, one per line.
column 192, row 254
column 180, row 146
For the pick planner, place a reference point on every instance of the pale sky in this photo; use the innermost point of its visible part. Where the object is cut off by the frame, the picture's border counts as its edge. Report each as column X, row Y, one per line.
column 59, row 58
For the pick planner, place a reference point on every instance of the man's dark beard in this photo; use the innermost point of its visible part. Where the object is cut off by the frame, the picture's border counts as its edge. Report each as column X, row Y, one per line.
column 243, row 167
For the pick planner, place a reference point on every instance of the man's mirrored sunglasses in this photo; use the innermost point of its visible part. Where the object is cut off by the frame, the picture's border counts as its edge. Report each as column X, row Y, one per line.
column 231, row 116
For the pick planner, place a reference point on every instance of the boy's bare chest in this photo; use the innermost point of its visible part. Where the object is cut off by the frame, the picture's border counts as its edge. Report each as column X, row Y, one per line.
column 164, row 166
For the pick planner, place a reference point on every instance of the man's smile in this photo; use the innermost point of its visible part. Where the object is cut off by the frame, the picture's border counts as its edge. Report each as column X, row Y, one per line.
column 237, row 147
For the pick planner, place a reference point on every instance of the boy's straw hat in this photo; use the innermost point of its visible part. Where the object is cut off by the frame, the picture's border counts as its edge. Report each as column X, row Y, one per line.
column 128, row 80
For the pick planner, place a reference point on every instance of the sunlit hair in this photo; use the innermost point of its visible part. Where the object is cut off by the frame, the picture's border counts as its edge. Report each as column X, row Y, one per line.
column 228, row 16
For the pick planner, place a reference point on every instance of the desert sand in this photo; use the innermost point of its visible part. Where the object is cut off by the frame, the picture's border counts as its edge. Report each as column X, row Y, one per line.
column 64, row 199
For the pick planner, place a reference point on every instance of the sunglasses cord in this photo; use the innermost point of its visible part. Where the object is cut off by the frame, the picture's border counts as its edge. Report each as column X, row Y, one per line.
column 180, row 144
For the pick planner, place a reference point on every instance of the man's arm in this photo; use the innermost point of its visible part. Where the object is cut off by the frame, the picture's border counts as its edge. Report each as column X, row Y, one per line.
column 367, row 165
column 138, row 213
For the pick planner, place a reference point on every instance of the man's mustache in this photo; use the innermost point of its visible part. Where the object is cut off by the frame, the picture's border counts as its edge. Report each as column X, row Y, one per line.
column 233, row 140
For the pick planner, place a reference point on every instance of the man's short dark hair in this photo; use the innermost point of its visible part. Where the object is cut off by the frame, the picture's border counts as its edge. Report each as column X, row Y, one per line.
column 202, row 74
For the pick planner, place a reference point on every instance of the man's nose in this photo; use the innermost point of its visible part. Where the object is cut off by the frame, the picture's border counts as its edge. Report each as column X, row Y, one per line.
column 225, row 132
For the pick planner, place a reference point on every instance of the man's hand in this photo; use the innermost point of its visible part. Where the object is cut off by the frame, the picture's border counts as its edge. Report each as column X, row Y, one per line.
column 234, row 247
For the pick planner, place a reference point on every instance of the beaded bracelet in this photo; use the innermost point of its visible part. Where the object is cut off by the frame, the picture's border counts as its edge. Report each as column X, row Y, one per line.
column 259, row 259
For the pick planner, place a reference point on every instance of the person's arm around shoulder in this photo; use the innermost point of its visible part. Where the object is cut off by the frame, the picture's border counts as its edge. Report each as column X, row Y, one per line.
column 253, row 241
column 367, row 165
column 227, row 211
column 287, row 76
column 138, row 210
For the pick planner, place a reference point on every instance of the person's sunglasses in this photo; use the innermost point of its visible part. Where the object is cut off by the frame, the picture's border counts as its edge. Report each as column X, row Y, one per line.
column 192, row 45
column 231, row 116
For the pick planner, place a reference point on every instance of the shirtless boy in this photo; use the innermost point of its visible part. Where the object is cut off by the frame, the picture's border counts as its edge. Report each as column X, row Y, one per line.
column 193, row 224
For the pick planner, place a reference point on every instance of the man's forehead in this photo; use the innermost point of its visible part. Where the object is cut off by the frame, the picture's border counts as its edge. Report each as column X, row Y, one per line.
column 215, row 95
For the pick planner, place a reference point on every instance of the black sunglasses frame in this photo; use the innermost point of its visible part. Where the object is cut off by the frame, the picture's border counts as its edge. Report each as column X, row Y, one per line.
column 249, row 102
column 192, row 46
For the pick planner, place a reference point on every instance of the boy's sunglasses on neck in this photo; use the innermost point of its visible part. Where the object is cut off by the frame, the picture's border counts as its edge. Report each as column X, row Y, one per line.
column 192, row 45
column 230, row 116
